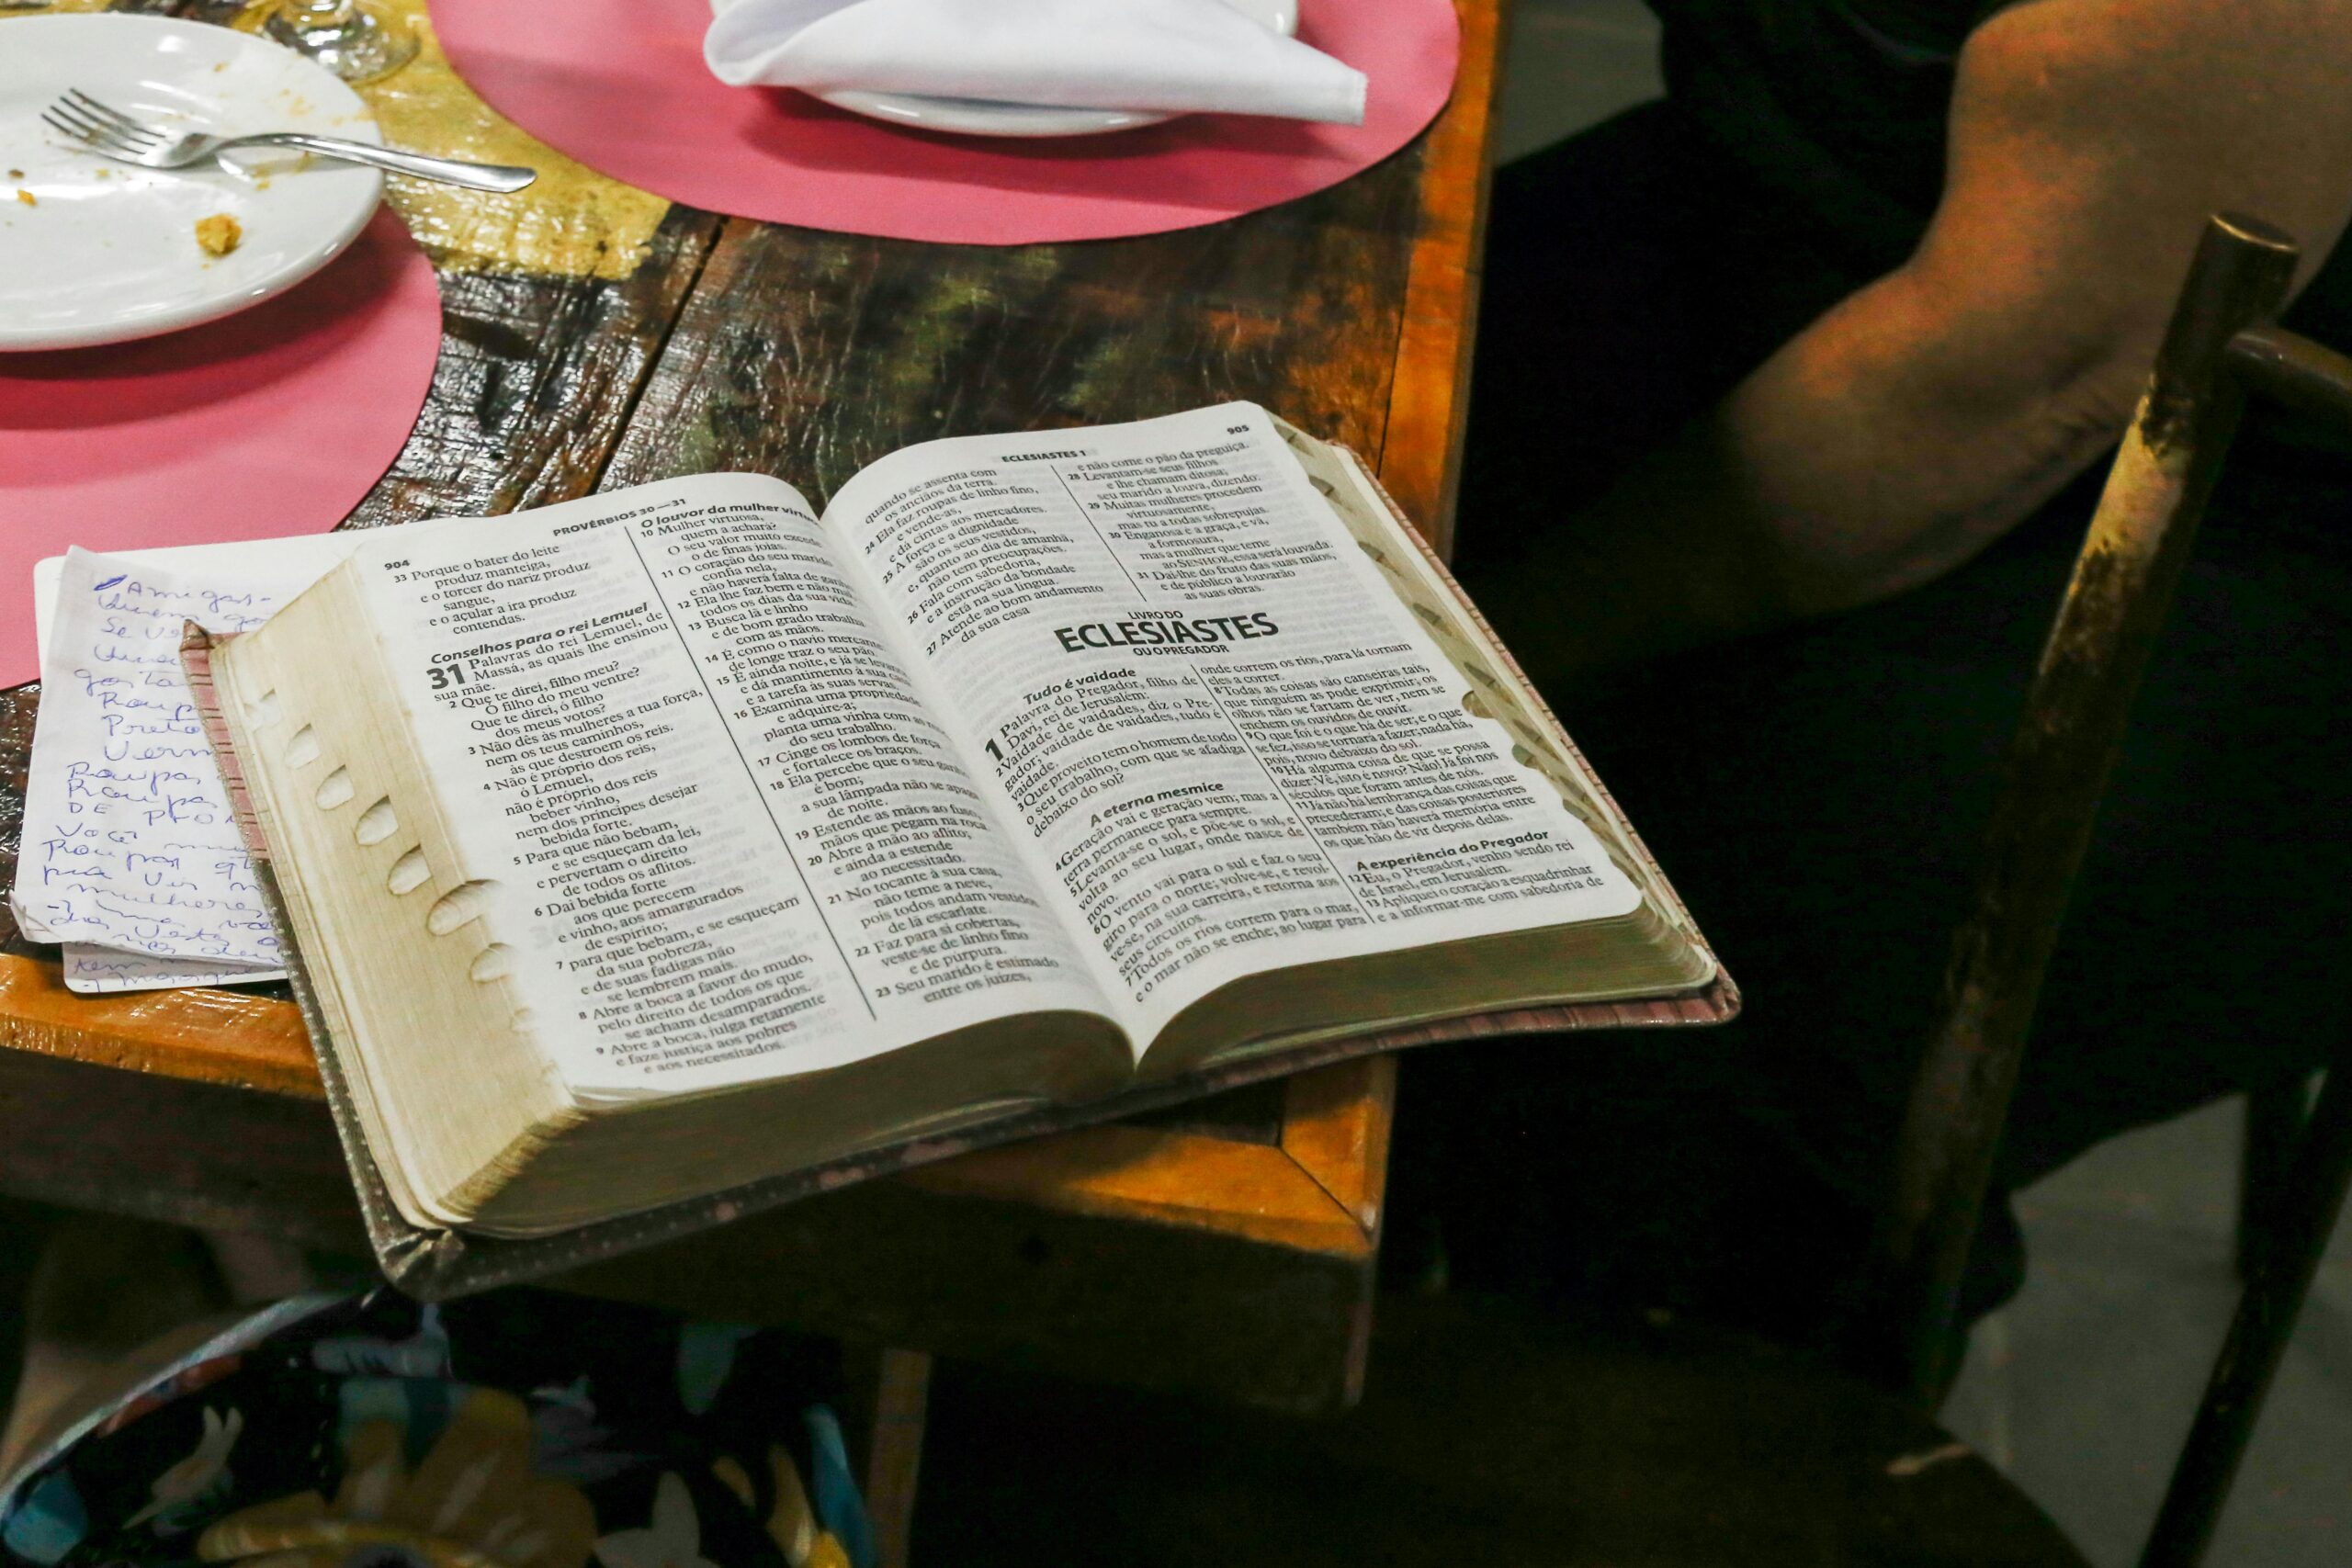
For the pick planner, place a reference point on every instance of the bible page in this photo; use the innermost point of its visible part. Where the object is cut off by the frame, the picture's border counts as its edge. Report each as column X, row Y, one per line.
column 1228, row 745
column 698, row 793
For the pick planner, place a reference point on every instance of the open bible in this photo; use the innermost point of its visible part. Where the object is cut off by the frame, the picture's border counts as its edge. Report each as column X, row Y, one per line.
column 648, row 845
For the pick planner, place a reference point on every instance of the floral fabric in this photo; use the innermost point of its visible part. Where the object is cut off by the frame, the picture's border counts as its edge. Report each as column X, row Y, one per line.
column 520, row 1429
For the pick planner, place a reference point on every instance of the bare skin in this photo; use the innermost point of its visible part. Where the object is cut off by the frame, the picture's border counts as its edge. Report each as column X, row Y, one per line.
column 1926, row 415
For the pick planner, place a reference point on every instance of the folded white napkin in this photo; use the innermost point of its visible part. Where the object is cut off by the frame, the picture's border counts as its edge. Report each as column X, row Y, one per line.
column 1163, row 56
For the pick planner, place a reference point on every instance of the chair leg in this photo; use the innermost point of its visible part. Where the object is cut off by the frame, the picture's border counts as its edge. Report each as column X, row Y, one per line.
column 2274, row 1118
column 2304, row 1219
column 902, row 1388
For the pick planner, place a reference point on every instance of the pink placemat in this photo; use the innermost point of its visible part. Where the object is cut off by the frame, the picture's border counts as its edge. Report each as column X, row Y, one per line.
column 271, row 421
column 621, row 84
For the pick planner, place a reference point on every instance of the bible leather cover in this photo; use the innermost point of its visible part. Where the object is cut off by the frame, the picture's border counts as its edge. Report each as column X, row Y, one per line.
column 435, row 1264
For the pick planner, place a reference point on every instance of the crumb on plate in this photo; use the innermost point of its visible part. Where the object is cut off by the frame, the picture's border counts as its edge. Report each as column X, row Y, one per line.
column 218, row 234
column 26, row 197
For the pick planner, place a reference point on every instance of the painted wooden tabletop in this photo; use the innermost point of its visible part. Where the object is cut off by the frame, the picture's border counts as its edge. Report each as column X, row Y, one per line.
column 741, row 345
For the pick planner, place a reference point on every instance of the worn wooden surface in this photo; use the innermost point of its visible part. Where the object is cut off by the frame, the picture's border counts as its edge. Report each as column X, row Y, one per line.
column 538, row 380
column 807, row 355
column 1428, row 390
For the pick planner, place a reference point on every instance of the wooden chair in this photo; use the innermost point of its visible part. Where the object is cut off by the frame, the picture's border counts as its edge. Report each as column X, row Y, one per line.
column 2298, row 1166
column 2223, row 343
column 1488, row 1434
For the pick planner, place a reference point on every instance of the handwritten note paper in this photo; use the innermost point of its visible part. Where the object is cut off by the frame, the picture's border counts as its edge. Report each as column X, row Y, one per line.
column 102, row 970
column 129, row 843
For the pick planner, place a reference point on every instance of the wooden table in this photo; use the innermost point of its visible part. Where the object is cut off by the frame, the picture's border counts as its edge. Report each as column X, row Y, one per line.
column 1229, row 1251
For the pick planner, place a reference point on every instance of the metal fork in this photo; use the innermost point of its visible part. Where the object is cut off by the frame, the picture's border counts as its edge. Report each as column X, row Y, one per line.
column 94, row 124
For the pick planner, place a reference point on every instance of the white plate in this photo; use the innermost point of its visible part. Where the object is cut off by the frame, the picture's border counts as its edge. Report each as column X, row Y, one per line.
column 982, row 116
column 108, row 252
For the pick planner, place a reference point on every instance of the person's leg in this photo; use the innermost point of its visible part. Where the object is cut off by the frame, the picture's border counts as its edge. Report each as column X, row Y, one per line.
column 1816, row 798
column 1819, row 796
column 1826, row 833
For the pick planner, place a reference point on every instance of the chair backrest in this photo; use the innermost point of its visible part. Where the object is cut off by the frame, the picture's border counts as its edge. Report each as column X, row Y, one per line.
column 2317, row 380
column 1900, row 1328
column 2222, row 343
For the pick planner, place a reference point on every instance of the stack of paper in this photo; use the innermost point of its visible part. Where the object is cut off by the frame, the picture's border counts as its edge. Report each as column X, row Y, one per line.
column 131, row 857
